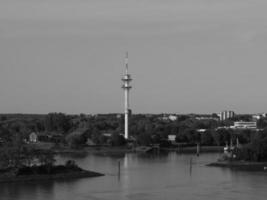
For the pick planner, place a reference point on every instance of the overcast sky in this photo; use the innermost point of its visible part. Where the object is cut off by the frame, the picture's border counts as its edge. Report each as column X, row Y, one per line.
column 185, row 56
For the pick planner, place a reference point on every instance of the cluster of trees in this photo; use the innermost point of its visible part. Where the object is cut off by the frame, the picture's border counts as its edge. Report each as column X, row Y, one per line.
column 256, row 150
column 213, row 137
column 57, row 122
column 14, row 153
column 146, row 129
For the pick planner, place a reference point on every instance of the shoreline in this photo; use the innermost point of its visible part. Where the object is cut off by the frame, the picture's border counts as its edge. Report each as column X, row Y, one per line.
column 241, row 165
column 203, row 149
column 122, row 150
column 95, row 150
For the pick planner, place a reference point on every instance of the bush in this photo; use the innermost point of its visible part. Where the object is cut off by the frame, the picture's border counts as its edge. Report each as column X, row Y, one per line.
column 75, row 140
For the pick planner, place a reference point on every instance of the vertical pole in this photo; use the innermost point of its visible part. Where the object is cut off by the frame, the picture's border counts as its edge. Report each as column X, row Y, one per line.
column 237, row 142
column 198, row 149
column 119, row 168
column 126, row 63
column 190, row 166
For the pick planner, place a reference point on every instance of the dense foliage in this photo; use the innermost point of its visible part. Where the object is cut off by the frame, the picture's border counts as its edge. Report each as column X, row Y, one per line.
column 256, row 150
column 107, row 129
column 70, row 166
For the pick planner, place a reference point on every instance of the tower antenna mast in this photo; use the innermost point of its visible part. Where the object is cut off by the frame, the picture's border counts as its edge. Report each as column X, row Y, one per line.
column 126, row 87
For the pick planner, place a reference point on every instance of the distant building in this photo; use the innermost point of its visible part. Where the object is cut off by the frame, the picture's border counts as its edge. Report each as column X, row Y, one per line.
column 173, row 117
column 222, row 127
column 207, row 118
column 172, row 138
column 33, row 137
column 118, row 116
column 107, row 134
column 226, row 115
column 201, row 130
column 169, row 117
column 164, row 118
column 259, row 116
column 244, row 125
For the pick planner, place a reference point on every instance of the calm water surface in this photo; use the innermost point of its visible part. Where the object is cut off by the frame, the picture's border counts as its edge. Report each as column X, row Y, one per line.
column 146, row 178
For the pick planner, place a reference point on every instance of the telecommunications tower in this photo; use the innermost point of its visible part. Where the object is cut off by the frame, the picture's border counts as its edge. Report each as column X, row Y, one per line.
column 126, row 87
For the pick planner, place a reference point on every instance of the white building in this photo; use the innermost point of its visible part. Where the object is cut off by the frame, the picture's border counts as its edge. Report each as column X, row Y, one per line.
column 173, row 117
column 226, row 115
column 244, row 125
column 172, row 138
column 207, row 118
column 201, row 130
column 107, row 134
column 259, row 116
column 168, row 117
column 33, row 137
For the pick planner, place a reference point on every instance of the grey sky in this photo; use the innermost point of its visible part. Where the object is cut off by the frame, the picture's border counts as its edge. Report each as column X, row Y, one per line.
column 185, row 56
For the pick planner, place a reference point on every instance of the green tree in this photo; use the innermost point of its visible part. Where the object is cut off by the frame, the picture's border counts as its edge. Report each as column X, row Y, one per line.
column 144, row 139
column 217, row 138
column 57, row 122
column 206, row 138
column 256, row 150
column 76, row 140
column 117, row 140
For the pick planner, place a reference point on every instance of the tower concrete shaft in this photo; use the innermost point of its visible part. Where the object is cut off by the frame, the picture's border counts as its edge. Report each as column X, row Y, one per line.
column 126, row 87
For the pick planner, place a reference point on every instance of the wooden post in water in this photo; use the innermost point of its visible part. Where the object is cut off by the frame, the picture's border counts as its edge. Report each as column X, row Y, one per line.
column 190, row 166
column 198, row 148
column 119, row 168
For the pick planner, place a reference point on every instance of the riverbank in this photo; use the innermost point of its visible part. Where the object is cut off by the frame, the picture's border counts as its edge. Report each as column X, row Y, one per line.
column 203, row 149
column 109, row 151
column 241, row 165
column 97, row 150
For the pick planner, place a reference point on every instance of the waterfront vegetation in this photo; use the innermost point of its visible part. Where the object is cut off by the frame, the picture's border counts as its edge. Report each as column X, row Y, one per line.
column 77, row 131
column 22, row 161
column 251, row 156
column 255, row 150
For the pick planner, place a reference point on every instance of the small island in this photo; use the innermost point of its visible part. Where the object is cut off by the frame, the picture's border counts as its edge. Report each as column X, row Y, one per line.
column 249, row 157
column 43, row 172
column 21, row 163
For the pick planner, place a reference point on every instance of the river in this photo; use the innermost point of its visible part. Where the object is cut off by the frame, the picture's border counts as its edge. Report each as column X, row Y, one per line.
column 153, row 177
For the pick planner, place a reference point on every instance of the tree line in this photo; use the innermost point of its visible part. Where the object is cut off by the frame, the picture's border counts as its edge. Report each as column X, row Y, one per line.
column 144, row 129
